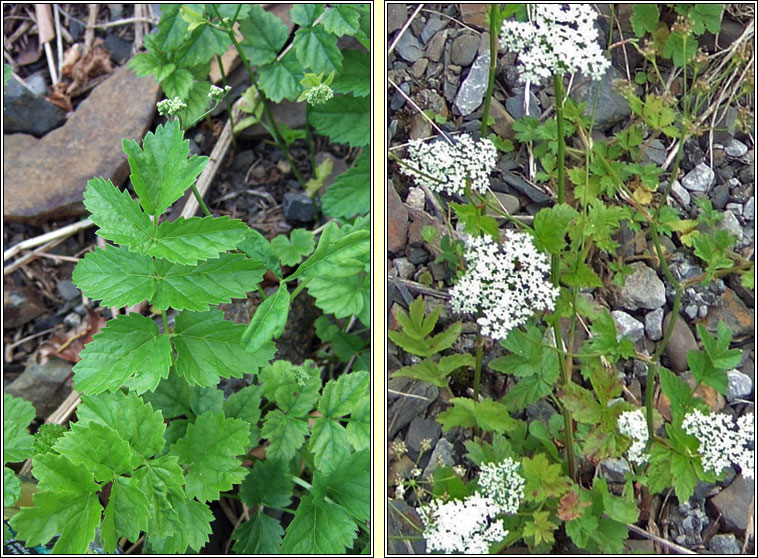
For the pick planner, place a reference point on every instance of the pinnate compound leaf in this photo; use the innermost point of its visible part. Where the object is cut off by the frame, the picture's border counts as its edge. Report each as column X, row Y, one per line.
column 350, row 194
column 336, row 255
column 193, row 525
column 317, row 50
column 268, row 483
column 550, row 227
column 319, row 527
column 186, row 241
column 343, row 119
column 261, row 535
column 291, row 250
column 286, row 435
column 116, row 276
column 161, row 173
column 268, row 321
column 486, row 414
column 127, row 345
column 264, row 36
column 329, row 443
column 245, row 404
column 207, row 345
column 604, row 339
column 349, row 484
column 208, row 449
column 717, row 349
column 580, row 275
column 341, row 19
column 67, row 504
column 342, row 395
column 17, row 442
column 528, row 353
column 258, row 248
column 210, row 282
column 118, row 216
column 294, row 388
column 436, row 373
column 125, row 515
column 281, row 80
column 158, row 480
column 355, row 76
column 98, row 447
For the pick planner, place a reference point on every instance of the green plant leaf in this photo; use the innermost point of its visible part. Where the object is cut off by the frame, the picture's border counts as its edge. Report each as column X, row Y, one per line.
column 415, row 337
column 116, row 276
column 350, row 194
column 317, row 50
column 161, row 173
column 125, row 515
column 245, row 404
column 580, row 275
column 329, row 443
column 359, row 427
column 11, row 487
column 718, row 349
column 67, row 504
column 341, row 296
column 98, row 447
column 178, row 83
column 268, row 321
column 337, row 254
column 286, row 435
column 475, row 221
column 349, row 484
column 192, row 525
column 355, row 76
column 644, row 18
column 208, row 449
column 543, row 480
column 604, row 339
column 294, row 388
column 207, row 345
column 340, row 396
column 171, row 28
column 158, row 480
column 489, row 415
column 291, row 250
column 201, row 45
column 435, row 373
column 528, row 353
column 620, row 508
column 540, row 528
column 17, row 442
column 341, row 19
column 127, row 345
column 256, row 246
column 306, row 14
column 703, row 371
column 186, row 241
column 550, row 227
column 261, row 535
column 343, row 119
column 268, row 483
column 210, row 282
column 264, row 36
column 319, row 527
column 281, row 80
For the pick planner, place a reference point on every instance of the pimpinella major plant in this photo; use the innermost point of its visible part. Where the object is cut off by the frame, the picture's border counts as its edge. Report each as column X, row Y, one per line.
column 155, row 441
column 570, row 245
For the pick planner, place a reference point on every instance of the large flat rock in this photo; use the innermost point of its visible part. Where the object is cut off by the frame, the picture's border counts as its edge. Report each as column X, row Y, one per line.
column 45, row 178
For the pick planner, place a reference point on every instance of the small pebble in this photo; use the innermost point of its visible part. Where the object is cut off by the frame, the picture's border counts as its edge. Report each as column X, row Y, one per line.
column 72, row 320
column 735, row 149
column 749, row 210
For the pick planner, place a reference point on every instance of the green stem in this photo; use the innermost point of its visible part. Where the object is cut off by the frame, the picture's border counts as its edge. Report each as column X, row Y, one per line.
column 493, row 67
column 261, row 292
column 226, row 97
column 309, row 139
column 200, row 201
column 299, row 288
column 478, row 364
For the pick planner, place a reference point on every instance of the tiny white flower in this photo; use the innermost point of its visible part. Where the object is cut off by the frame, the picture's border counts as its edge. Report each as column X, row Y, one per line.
column 507, row 282
column 633, row 425
column 217, row 92
column 169, row 107
column 443, row 166
column 720, row 443
column 557, row 39
column 503, row 483
column 319, row 94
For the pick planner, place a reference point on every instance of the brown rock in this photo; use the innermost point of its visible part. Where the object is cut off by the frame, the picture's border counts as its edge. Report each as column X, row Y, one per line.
column 732, row 311
column 419, row 220
column 733, row 503
column 682, row 340
column 503, row 125
column 20, row 305
column 397, row 222
column 474, row 14
column 45, row 179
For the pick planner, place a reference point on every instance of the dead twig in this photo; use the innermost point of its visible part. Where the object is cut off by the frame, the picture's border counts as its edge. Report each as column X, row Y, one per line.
column 668, row 544
column 404, row 28
column 125, row 21
column 63, row 232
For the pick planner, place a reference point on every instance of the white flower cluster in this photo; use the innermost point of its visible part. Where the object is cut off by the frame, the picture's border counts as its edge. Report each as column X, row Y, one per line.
column 470, row 526
column 319, row 94
column 633, row 425
column 720, row 443
column 502, row 482
column 558, row 39
column 217, row 92
column 506, row 282
column 444, row 166
column 169, row 107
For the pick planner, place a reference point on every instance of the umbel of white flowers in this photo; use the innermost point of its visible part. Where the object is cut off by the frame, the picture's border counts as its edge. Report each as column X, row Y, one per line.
column 444, row 166
column 557, row 39
column 506, row 282
column 470, row 526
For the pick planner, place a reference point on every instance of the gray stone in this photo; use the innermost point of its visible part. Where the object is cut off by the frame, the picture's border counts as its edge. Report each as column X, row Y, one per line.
column 656, row 153
column 38, row 384
column 735, row 208
column 28, row 113
column 67, row 289
column 682, row 340
column 691, row 311
column 680, row 194
column 740, row 385
column 724, row 543
column 642, row 289
column 464, row 49
column 73, row 320
column 441, row 456
column 627, row 326
column 403, row 526
column 734, row 503
column 411, row 403
column 699, row 179
column 21, row 305
column 120, row 50
column 408, row 47
column 612, row 108
column 541, row 411
column 37, row 84
column 515, row 105
column 397, row 15
column 404, row 268
column 471, row 93
column 417, row 255
column 398, row 100
column 416, row 199
column 397, row 221
column 735, row 149
column 419, row 430
column 731, row 224
column 435, row 47
column 615, row 469
column 432, row 26
column 654, row 324
column 719, row 196
column 419, row 67
column 509, row 202
column 298, row 208
column 749, row 209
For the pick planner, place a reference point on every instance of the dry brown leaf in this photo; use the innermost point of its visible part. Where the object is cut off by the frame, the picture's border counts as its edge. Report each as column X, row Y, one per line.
column 570, row 507
column 69, row 344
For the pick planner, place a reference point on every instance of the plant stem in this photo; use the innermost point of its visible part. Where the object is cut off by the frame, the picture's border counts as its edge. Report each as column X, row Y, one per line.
column 478, row 364
column 309, row 139
column 493, row 67
column 299, row 288
column 226, row 97
column 200, row 201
